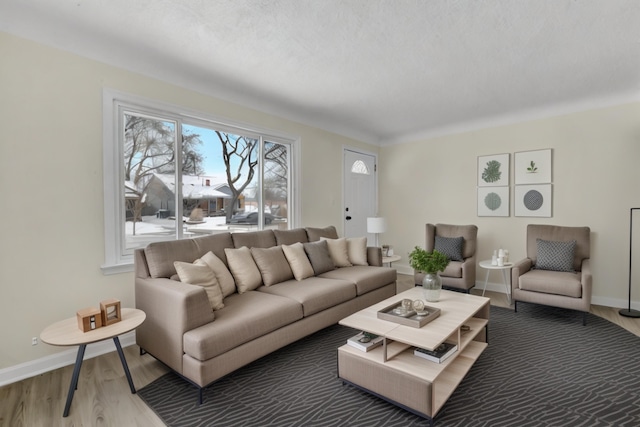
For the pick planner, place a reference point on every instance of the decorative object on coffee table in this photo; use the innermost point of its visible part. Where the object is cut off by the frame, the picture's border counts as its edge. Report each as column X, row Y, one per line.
column 398, row 313
column 431, row 263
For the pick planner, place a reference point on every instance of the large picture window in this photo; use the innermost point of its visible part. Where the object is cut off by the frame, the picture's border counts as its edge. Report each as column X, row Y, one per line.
column 172, row 174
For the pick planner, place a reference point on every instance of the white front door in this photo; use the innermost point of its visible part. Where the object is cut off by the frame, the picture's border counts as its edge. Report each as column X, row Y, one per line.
column 360, row 199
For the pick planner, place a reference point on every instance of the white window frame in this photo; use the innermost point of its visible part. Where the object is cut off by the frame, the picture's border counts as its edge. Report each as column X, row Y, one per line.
column 116, row 260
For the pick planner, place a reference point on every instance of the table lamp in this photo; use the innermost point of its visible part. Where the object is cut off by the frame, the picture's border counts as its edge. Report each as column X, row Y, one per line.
column 376, row 225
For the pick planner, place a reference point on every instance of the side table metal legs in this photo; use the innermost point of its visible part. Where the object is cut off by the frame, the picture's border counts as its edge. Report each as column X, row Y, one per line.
column 505, row 279
column 124, row 365
column 76, row 373
column 74, row 379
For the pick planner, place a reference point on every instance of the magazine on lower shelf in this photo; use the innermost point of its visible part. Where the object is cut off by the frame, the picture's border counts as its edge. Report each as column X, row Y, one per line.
column 365, row 341
column 439, row 355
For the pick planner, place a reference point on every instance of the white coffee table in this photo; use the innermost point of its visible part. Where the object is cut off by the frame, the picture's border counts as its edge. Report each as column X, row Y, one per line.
column 505, row 269
column 394, row 373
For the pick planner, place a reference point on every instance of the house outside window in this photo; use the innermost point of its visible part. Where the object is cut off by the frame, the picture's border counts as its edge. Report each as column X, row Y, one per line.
column 172, row 174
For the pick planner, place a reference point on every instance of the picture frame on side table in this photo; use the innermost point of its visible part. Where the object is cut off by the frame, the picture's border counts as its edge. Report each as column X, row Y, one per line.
column 533, row 200
column 493, row 201
column 533, row 167
column 493, row 171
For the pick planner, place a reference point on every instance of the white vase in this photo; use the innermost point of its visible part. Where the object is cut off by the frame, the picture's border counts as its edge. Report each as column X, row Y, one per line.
column 431, row 287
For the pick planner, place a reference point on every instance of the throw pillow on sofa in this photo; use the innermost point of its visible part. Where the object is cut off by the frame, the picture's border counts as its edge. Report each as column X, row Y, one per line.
column 273, row 265
column 223, row 275
column 357, row 249
column 200, row 274
column 318, row 253
column 243, row 268
column 338, row 250
column 298, row 261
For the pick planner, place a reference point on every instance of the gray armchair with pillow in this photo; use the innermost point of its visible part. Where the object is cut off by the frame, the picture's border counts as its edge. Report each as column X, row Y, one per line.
column 556, row 271
column 459, row 243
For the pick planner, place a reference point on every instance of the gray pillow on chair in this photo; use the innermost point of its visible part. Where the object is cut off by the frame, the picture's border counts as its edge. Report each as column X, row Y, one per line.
column 555, row 256
column 450, row 246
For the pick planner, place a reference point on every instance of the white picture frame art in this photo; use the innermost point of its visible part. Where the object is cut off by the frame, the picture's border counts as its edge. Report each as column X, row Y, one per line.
column 493, row 201
column 533, row 167
column 533, row 200
column 493, row 171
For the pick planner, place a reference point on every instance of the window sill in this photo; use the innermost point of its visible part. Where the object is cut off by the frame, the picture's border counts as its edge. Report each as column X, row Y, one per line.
column 116, row 268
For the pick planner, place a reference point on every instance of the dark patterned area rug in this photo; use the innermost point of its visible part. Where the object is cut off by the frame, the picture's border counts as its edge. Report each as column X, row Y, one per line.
column 542, row 368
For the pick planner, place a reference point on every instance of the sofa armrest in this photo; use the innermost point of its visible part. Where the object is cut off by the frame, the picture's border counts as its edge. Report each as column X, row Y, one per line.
column 518, row 269
column 586, row 280
column 469, row 271
column 172, row 308
column 374, row 256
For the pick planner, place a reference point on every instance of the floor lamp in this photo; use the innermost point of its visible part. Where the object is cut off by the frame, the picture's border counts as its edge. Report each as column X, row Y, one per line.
column 628, row 312
column 376, row 225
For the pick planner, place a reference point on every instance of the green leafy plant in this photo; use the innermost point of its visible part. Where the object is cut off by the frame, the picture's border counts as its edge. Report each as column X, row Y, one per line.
column 532, row 168
column 492, row 172
column 428, row 262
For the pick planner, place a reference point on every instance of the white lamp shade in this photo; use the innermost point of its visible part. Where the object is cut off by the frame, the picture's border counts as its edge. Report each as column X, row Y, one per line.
column 376, row 225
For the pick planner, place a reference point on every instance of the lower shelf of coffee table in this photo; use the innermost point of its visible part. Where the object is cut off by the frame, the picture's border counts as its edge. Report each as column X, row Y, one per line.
column 405, row 379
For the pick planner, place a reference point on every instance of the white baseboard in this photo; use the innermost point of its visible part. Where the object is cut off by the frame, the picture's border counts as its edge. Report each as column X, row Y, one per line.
column 64, row 358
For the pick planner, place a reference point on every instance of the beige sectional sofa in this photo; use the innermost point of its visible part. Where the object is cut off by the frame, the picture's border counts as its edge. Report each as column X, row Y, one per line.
column 255, row 315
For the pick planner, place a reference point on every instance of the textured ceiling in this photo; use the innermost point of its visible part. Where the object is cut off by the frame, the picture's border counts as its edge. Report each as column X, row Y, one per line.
column 382, row 71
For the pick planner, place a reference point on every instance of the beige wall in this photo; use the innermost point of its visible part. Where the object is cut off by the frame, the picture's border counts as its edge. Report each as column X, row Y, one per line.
column 595, row 181
column 52, row 204
column 51, row 184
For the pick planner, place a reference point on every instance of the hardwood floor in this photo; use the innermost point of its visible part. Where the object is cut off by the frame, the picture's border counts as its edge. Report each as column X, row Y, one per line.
column 103, row 397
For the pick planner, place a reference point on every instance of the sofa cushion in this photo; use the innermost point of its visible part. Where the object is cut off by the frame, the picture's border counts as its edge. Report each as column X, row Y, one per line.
column 552, row 282
column 318, row 253
column 338, row 251
column 222, row 273
column 554, row 255
column 314, row 293
column 215, row 243
column 254, row 239
column 298, row 261
column 314, row 234
column 200, row 274
column 161, row 255
column 366, row 278
column 245, row 317
column 357, row 249
column 273, row 265
column 450, row 246
column 243, row 268
column 289, row 237
column 453, row 269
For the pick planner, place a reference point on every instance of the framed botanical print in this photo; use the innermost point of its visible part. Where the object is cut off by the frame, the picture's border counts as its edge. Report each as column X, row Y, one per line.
column 493, row 171
column 493, row 201
column 533, row 167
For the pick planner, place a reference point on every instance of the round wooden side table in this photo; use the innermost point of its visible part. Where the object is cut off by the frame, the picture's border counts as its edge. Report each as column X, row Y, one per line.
column 67, row 333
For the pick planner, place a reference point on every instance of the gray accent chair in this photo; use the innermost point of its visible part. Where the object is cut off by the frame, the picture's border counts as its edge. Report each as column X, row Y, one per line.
column 565, row 289
column 459, row 275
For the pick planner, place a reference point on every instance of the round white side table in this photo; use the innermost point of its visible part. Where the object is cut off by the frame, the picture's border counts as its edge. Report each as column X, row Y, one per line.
column 390, row 259
column 505, row 269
